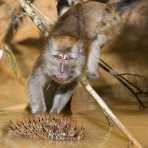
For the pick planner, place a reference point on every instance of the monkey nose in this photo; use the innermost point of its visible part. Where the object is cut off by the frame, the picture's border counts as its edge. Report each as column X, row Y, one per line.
column 61, row 68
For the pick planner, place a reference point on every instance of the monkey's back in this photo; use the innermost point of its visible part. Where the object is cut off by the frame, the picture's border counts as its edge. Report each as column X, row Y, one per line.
column 82, row 20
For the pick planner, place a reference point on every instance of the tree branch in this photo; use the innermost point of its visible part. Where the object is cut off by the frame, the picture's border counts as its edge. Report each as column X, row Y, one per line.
column 123, row 81
column 38, row 19
column 108, row 112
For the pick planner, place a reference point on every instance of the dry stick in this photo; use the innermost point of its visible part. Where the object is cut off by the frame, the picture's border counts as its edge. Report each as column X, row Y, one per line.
column 38, row 19
column 108, row 112
column 121, row 79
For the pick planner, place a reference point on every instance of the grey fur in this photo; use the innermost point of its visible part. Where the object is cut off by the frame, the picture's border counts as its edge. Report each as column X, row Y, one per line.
column 44, row 71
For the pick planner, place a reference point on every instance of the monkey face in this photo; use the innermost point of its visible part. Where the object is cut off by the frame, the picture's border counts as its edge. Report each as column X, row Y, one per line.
column 66, row 59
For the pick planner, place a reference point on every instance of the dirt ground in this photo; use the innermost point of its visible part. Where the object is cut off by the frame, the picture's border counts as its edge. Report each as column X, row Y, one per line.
column 127, row 53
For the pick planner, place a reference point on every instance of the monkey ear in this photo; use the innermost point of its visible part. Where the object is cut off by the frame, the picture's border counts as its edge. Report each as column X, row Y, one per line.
column 78, row 47
column 52, row 44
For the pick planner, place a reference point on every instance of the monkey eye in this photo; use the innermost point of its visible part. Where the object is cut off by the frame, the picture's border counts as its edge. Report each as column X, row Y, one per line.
column 58, row 56
column 68, row 58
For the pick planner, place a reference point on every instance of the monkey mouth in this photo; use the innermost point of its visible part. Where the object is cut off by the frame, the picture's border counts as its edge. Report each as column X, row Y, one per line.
column 62, row 79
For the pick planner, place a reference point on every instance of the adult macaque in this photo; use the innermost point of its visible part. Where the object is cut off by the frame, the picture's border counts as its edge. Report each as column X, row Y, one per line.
column 73, row 48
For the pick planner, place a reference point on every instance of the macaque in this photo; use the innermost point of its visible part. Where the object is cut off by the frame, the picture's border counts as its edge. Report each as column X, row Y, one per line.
column 73, row 49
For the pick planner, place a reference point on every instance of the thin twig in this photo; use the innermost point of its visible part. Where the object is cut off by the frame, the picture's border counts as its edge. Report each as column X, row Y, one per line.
column 138, row 90
column 121, row 76
column 121, row 79
column 131, row 74
column 113, row 72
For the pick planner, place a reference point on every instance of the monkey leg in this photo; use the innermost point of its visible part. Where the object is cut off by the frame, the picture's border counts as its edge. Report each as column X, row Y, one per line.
column 62, row 97
column 36, row 85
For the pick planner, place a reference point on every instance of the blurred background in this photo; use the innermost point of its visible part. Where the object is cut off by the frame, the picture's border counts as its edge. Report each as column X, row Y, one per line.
column 127, row 54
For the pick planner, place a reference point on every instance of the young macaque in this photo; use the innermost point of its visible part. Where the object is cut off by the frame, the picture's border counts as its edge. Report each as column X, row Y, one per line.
column 73, row 49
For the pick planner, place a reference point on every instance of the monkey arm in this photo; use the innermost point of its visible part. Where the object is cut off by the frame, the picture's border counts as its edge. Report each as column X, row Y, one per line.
column 62, row 97
column 35, row 87
column 94, row 55
column 60, row 101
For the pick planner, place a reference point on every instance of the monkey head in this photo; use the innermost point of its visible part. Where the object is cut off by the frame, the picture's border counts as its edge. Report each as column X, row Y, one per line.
column 65, row 59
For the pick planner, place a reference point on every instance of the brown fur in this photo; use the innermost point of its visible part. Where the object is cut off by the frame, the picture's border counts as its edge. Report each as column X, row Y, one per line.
column 82, row 20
